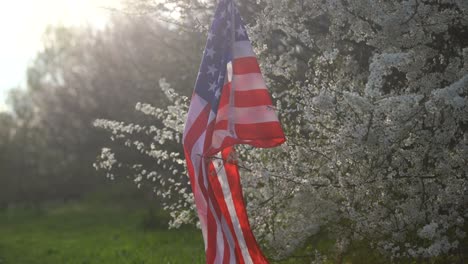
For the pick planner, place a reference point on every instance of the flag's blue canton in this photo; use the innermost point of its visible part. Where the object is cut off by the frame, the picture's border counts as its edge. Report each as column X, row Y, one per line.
column 218, row 52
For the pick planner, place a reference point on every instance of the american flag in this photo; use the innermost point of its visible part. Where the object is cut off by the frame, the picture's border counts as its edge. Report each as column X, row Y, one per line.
column 230, row 105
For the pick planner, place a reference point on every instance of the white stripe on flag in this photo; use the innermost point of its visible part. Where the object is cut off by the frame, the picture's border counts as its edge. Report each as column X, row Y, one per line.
column 229, row 71
column 250, row 81
column 200, row 200
column 230, row 239
column 197, row 105
column 248, row 115
column 218, row 137
column 219, row 166
column 219, row 238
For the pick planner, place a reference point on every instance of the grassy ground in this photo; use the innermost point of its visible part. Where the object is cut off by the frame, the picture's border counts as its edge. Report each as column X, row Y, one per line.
column 87, row 234
column 92, row 233
column 105, row 233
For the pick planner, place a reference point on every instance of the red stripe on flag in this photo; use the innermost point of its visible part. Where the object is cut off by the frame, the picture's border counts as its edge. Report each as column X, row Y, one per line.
column 217, row 205
column 252, row 98
column 224, row 99
column 221, row 125
column 246, row 65
column 214, row 225
column 212, row 241
column 227, row 254
column 219, row 196
column 233, row 177
column 262, row 135
column 249, row 98
column 197, row 129
column 227, row 247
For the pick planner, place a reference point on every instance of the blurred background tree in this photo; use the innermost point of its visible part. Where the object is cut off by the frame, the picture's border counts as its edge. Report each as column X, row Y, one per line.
column 48, row 141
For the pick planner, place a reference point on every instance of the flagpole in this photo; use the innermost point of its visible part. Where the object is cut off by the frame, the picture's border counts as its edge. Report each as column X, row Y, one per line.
column 232, row 93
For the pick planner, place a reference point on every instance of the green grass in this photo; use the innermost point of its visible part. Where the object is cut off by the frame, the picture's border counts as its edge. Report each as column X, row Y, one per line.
column 88, row 234
column 91, row 232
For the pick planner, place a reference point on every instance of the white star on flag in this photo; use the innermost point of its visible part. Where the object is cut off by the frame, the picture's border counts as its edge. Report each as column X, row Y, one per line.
column 241, row 31
column 210, row 36
column 212, row 70
column 212, row 86
column 210, row 52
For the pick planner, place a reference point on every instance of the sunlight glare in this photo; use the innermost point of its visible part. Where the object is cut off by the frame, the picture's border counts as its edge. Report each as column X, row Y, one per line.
column 22, row 23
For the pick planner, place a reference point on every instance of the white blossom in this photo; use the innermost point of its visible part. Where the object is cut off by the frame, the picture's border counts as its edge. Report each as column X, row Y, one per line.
column 373, row 98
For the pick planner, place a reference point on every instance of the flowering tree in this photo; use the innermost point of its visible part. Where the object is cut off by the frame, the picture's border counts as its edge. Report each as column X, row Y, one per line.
column 373, row 97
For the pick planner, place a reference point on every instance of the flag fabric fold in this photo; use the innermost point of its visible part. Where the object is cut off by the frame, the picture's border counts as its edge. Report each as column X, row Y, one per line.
column 230, row 105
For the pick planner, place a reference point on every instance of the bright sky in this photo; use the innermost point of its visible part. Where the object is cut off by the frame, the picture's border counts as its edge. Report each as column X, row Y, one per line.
column 22, row 23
